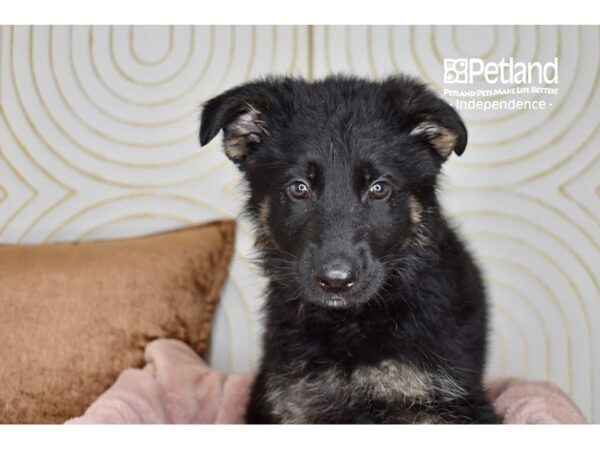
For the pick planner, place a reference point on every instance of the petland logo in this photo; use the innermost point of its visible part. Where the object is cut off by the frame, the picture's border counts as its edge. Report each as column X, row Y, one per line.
column 507, row 71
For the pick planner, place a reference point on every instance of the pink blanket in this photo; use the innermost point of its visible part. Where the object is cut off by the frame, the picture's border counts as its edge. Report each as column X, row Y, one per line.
column 176, row 386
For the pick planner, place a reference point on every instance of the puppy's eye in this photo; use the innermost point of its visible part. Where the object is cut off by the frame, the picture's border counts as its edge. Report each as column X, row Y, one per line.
column 379, row 190
column 299, row 190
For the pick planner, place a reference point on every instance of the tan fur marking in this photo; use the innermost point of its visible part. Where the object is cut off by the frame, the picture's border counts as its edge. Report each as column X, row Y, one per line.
column 235, row 147
column 442, row 139
column 416, row 210
column 263, row 232
column 263, row 212
column 391, row 379
column 444, row 142
column 296, row 399
column 416, row 216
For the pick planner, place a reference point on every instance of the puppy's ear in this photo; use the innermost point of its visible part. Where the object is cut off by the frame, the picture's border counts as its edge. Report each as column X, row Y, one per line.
column 427, row 116
column 240, row 113
column 444, row 138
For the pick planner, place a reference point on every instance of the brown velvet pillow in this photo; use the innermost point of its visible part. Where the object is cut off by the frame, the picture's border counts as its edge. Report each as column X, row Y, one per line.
column 73, row 316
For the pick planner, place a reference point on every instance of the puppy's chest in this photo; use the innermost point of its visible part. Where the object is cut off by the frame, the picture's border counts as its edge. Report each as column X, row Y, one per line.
column 297, row 396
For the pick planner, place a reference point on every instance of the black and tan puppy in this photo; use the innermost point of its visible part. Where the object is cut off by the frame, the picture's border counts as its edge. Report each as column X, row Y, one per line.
column 376, row 312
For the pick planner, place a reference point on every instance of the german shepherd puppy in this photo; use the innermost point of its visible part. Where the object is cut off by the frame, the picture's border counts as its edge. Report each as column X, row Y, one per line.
column 376, row 311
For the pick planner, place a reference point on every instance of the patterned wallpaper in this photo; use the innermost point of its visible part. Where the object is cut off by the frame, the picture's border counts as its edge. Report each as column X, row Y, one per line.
column 98, row 140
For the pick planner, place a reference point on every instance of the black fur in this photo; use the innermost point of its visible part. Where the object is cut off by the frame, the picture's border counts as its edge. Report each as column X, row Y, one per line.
column 402, row 337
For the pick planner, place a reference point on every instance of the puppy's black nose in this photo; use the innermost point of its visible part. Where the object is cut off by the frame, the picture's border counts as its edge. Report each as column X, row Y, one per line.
column 336, row 276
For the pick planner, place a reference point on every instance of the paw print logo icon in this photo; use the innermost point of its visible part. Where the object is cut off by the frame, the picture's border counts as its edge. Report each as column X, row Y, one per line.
column 456, row 70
